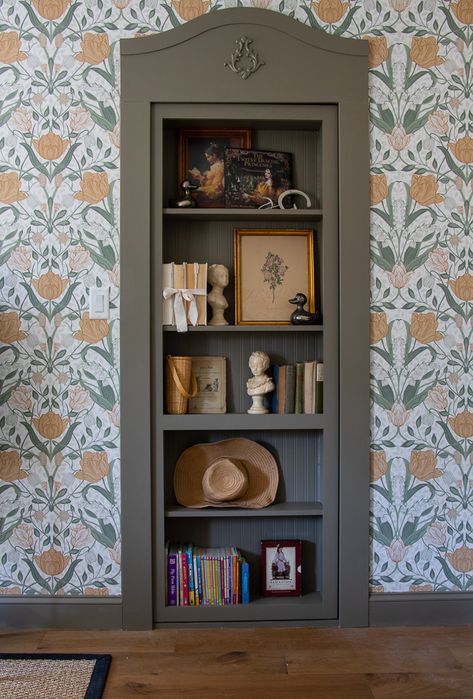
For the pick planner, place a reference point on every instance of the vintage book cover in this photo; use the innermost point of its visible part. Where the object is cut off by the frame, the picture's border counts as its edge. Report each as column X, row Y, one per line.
column 299, row 394
column 211, row 377
column 319, row 389
column 255, row 178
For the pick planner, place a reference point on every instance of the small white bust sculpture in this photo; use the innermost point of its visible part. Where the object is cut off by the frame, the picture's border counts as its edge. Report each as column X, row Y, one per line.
column 260, row 383
column 218, row 277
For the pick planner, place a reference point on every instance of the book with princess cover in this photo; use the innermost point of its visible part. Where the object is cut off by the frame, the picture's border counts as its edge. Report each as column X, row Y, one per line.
column 255, row 178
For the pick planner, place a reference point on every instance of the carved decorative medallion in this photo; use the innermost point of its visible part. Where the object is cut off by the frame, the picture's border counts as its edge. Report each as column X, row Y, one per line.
column 244, row 60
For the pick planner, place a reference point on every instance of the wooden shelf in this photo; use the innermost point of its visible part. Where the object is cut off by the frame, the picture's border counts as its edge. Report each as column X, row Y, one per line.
column 260, row 609
column 280, row 509
column 244, row 214
column 242, row 421
column 248, row 328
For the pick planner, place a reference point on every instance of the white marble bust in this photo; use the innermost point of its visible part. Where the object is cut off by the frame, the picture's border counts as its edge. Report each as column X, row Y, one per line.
column 259, row 384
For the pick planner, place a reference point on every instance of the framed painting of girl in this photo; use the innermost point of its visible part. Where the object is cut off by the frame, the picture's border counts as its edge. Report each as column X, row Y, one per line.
column 201, row 160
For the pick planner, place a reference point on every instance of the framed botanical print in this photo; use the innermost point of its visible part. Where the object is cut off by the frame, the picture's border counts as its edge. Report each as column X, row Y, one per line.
column 281, row 568
column 201, row 160
column 271, row 267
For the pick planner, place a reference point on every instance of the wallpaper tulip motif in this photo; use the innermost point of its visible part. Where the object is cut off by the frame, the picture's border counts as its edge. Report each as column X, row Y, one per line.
column 59, row 369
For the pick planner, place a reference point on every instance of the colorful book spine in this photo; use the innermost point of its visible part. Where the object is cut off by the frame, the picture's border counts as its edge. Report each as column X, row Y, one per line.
column 185, row 577
column 199, row 579
column 196, row 580
column 172, row 589
column 190, row 573
column 205, row 576
column 245, row 582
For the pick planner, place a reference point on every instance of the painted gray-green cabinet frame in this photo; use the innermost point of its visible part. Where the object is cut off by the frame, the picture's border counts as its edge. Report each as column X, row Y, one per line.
column 181, row 74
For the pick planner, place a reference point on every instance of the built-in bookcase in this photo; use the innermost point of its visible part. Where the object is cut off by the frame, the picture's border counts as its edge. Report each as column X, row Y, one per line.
column 315, row 468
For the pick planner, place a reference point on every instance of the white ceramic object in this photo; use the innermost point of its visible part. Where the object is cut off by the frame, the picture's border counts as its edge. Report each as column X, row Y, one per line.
column 259, row 384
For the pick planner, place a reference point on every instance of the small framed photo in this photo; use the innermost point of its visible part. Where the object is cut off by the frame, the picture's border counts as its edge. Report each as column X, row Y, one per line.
column 281, row 568
column 201, row 160
column 271, row 267
column 255, row 178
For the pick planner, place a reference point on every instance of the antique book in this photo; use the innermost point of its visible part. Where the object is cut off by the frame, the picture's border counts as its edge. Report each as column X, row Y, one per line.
column 274, row 400
column 281, row 388
column 196, row 278
column 290, row 393
column 211, row 377
column 319, row 389
column 309, row 397
column 299, row 391
column 187, row 275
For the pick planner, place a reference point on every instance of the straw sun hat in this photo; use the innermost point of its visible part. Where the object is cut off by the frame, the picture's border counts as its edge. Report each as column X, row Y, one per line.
column 231, row 473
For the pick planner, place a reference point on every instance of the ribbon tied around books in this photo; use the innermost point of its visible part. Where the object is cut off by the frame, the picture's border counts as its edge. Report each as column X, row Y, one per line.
column 180, row 313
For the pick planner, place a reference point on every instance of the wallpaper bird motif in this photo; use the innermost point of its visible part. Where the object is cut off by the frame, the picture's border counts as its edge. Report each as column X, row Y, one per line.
column 59, row 370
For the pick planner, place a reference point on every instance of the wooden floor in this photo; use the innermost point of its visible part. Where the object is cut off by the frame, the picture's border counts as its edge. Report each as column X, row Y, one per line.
column 428, row 663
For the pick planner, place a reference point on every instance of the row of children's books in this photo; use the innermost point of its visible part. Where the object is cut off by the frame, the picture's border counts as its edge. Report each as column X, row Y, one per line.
column 206, row 576
column 299, row 388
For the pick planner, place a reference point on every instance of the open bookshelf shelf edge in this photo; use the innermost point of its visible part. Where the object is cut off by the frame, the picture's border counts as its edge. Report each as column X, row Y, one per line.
column 260, row 608
column 243, row 421
column 248, row 328
column 244, row 214
column 280, row 509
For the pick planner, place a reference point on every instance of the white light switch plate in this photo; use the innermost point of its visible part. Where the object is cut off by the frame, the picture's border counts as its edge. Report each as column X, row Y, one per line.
column 99, row 302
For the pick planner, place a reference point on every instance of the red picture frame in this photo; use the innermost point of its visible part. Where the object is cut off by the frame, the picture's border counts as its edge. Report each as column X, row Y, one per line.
column 281, row 568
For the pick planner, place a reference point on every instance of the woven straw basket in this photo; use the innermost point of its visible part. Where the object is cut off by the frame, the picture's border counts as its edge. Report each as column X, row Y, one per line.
column 180, row 384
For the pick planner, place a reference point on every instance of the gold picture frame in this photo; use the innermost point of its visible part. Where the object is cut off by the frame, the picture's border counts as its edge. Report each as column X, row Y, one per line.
column 201, row 160
column 272, row 266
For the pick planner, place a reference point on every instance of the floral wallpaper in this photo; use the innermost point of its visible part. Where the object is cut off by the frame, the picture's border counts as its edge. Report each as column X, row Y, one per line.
column 59, row 179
